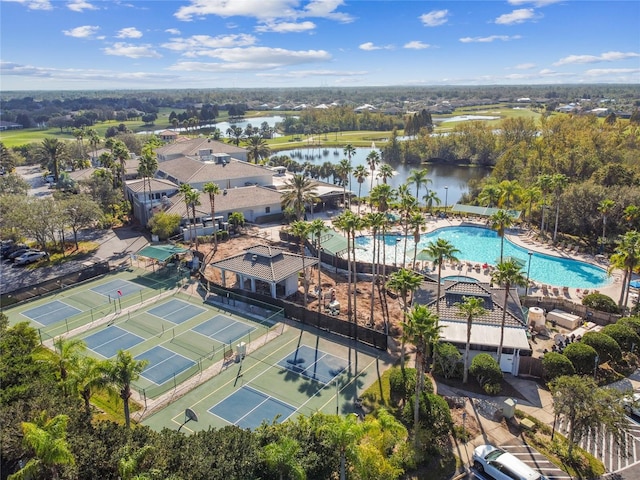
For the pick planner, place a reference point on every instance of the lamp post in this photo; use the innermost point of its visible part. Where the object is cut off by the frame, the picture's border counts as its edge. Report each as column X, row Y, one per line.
column 526, row 292
column 395, row 257
column 446, row 198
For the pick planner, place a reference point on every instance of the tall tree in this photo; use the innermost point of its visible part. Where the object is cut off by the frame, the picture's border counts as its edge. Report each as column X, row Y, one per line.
column 373, row 160
column 385, row 172
column 361, row 174
column 419, row 178
column 47, row 438
column 257, row 148
column 349, row 151
column 68, row 352
column 441, row 250
column 404, row 281
column 469, row 308
column 301, row 230
column 376, row 222
column 559, row 182
column 343, row 433
column 121, row 372
column 89, row 377
column 282, row 459
column 507, row 273
column 316, row 228
column 545, row 183
column 52, row 152
column 212, row 189
column 499, row 222
column 121, row 153
column 605, row 207
column 416, row 224
column 130, row 461
column 343, row 170
column 298, row 192
column 430, row 199
column 349, row 223
column 627, row 258
column 421, row 328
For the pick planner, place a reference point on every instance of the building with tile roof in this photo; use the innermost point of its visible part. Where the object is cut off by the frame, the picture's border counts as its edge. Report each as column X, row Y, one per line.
column 200, row 148
column 264, row 269
column 485, row 332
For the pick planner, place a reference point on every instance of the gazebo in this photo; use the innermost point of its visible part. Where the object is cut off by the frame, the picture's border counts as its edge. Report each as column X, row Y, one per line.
column 482, row 211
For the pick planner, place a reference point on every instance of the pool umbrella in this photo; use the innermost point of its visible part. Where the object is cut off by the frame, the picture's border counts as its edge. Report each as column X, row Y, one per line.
column 517, row 260
column 634, row 284
column 425, row 256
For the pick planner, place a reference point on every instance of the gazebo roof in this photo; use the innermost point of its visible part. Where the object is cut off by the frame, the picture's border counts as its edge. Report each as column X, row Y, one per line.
column 161, row 252
column 482, row 211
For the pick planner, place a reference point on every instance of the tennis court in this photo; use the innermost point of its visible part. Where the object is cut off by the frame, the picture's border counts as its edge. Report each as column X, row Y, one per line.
column 51, row 312
column 248, row 407
column 117, row 288
column 223, row 329
column 299, row 372
column 163, row 364
column 108, row 341
column 176, row 311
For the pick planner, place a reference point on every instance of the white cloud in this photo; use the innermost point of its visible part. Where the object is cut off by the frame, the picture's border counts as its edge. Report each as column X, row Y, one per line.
column 517, row 16
column 286, row 27
column 129, row 32
column 80, row 6
column 173, row 31
column 605, row 57
column 312, row 73
column 434, row 18
column 489, row 39
column 121, row 49
column 34, row 4
column 266, row 10
column 416, row 45
column 599, row 72
column 369, row 47
column 86, row 31
column 525, row 66
column 198, row 43
column 253, row 58
column 536, row 3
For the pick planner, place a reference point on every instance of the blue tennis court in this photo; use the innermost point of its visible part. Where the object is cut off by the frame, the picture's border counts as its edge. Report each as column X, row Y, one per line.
column 314, row 364
column 107, row 342
column 176, row 311
column 248, row 407
column 51, row 312
column 224, row 329
column 117, row 288
column 163, row 364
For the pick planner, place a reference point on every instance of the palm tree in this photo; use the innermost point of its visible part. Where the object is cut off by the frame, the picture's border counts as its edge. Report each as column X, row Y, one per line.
column 490, row 195
column 89, row 377
column 430, row 198
column 545, row 184
column 349, row 151
column 52, row 151
column 631, row 215
column 316, row 228
column 94, row 140
column 343, row 433
column 441, row 250
column 191, row 200
column 343, row 170
column 510, row 191
column 373, row 160
column 146, row 169
column 386, row 171
column 626, row 257
column 499, row 222
column 605, row 207
column 69, row 352
column 381, row 197
column 235, row 134
column 361, row 173
column 301, row 230
column 350, row 223
column 404, row 281
column 407, row 205
column 470, row 308
column 236, row 220
column 507, row 273
column 257, row 148
column 130, row 460
column 376, row 222
column 297, row 193
column 416, row 224
column 419, row 178
column 281, row 458
column 421, row 328
column 47, row 438
column 121, row 373
column 121, row 153
column 559, row 182
column 530, row 196
column 212, row 189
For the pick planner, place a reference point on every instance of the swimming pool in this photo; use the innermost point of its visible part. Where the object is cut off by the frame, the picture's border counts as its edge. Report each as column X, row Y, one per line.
column 481, row 245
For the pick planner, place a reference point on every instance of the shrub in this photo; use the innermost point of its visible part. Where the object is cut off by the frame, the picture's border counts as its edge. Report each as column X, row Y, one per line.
column 624, row 335
column 487, row 372
column 582, row 356
column 601, row 302
column 447, row 361
column 402, row 385
column 555, row 365
column 607, row 348
column 434, row 413
column 631, row 322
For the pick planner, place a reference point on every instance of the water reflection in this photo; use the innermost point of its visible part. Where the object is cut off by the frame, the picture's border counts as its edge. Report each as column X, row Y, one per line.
column 450, row 181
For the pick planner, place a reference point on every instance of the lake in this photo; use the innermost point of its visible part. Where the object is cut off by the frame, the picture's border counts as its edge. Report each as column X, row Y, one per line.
column 449, row 181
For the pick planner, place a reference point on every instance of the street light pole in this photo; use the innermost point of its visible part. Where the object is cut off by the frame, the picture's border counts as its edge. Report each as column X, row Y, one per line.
column 446, row 198
column 526, row 292
column 395, row 256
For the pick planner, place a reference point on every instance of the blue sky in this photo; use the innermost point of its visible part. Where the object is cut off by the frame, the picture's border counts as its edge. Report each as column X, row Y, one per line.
column 130, row 44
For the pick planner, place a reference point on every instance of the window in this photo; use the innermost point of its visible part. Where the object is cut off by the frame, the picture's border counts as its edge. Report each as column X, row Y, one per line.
column 267, row 210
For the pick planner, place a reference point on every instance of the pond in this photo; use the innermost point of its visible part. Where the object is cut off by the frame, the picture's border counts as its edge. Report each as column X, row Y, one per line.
column 450, row 182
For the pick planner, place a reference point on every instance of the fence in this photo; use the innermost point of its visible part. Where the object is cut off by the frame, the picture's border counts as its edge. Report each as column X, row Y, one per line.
column 53, row 284
column 530, row 366
column 365, row 335
column 588, row 314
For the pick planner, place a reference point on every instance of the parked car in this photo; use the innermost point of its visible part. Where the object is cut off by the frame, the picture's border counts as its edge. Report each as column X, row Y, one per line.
column 16, row 253
column 502, row 465
column 9, row 249
column 632, row 404
column 30, row 257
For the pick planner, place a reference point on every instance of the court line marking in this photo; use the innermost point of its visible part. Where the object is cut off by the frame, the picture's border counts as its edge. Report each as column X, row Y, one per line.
column 166, row 359
column 35, row 319
column 126, row 332
column 126, row 282
column 265, row 398
column 186, row 305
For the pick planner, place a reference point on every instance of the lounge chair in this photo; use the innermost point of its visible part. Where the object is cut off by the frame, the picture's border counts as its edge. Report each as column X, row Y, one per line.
column 555, row 291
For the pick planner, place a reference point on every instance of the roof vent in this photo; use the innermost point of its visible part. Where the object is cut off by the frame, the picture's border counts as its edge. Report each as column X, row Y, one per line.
column 254, row 258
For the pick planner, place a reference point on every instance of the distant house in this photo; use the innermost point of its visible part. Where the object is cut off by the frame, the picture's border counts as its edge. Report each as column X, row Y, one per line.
column 9, row 126
column 168, row 136
column 485, row 332
column 148, row 196
column 201, row 149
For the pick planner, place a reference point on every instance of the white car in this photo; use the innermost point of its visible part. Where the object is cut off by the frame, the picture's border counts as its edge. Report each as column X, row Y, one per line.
column 632, row 404
column 30, row 257
column 502, row 465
